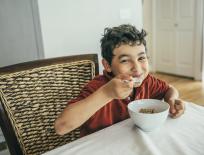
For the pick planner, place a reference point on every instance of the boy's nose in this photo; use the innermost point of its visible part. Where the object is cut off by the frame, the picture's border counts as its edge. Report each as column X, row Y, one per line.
column 136, row 67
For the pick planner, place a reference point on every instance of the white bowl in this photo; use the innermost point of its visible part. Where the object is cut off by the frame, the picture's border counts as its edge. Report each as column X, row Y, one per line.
column 146, row 121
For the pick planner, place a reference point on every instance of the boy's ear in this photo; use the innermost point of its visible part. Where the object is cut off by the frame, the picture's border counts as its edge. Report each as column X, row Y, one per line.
column 106, row 65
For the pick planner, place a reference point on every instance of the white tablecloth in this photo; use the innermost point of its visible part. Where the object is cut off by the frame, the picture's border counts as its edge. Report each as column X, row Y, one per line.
column 181, row 136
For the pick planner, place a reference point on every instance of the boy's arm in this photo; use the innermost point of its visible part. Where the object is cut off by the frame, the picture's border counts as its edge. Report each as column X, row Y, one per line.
column 177, row 106
column 76, row 114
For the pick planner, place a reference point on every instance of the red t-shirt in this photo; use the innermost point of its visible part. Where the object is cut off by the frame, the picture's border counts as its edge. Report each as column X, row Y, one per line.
column 116, row 110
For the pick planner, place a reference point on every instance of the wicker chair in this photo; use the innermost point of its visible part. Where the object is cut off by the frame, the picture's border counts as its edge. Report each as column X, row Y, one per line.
column 32, row 94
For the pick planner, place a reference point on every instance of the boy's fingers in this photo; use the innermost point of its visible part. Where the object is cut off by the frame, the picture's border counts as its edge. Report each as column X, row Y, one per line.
column 124, row 77
column 126, row 80
column 180, row 108
column 172, row 106
column 179, row 105
column 179, row 113
column 128, row 84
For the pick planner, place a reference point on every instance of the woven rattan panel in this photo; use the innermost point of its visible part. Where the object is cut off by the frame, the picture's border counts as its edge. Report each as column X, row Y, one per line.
column 34, row 98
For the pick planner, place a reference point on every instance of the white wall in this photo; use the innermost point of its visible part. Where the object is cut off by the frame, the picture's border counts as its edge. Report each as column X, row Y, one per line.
column 72, row 27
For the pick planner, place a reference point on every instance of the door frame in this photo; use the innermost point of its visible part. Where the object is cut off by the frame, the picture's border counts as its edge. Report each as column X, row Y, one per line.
column 37, row 27
column 198, row 38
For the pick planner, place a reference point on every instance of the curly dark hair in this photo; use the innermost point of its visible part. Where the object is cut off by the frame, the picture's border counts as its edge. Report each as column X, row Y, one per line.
column 116, row 36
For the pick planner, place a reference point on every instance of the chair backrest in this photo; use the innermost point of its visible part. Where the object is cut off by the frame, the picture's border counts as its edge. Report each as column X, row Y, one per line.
column 32, row 95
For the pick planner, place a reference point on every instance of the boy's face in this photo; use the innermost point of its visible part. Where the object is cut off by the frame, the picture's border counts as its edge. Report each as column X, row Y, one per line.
column 130, row 60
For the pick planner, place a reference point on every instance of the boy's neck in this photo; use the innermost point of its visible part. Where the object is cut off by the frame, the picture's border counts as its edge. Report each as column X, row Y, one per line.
column 108, row 75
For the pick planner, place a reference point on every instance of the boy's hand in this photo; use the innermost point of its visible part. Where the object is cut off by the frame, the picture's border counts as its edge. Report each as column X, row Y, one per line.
column 177, row 107
column 119, row 87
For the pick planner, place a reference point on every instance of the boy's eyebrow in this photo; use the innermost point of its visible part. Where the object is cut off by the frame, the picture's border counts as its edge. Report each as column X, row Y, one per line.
column 125, row 55
column 141, row 53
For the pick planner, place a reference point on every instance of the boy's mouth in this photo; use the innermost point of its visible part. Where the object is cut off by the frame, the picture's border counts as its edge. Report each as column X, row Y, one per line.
column 138, row 76
column 137, row 80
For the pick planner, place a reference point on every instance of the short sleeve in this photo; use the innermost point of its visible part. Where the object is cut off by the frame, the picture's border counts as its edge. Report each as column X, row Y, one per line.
column 157, row 87
column 88, row 89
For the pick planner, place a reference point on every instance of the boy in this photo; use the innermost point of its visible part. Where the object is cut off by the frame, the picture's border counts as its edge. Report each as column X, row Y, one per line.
column 103, row 101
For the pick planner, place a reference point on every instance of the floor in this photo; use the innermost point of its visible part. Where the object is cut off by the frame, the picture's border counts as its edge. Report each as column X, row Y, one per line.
column 189, row 89
column 5, row 152
column 3, row 146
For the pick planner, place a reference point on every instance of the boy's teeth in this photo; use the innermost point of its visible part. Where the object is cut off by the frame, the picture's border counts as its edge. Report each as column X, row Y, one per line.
column 136, row 80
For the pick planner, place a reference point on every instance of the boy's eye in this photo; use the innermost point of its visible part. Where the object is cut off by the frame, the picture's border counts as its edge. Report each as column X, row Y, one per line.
column 124, row 61
column 143, row 58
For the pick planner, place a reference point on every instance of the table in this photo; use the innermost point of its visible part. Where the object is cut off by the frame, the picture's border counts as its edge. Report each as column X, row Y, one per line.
column 181, row 136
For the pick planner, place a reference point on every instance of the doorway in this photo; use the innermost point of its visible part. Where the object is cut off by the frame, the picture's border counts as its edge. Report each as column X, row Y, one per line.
column 176, row 36
column 150, row 25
